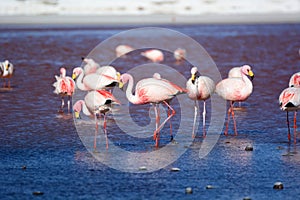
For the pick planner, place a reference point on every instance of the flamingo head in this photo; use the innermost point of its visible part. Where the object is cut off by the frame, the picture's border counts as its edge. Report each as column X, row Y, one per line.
column 76, row 72
column 77, row 108
column 63, row 72
column 156, row 76
column 246, row 69
column 6, row 64
column 123, row 80
column 194, row 73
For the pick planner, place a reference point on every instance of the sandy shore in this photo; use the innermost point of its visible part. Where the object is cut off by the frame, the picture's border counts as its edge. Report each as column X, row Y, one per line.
column 150, row 19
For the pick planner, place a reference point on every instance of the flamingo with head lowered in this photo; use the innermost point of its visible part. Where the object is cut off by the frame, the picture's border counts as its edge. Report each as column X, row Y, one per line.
column 64, row 86
column 154, row 55
column 154, row 91
column 96, row 103
column 235, row 89
column 199, row 88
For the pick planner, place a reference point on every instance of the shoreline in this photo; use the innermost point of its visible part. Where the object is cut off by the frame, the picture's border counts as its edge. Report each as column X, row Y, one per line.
column 155, row 19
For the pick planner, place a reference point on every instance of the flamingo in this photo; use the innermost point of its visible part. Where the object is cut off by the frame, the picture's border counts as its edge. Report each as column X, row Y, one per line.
column 199, row 88
column 179, row 54
column 289, row 100
column 6, row 71
column 154, row 55
column 96, row 103
column 122, row 50
column 153, row 91
column 235, row 89
column 295, row 80
column 91, row 66
column 64, row 86
column 92, row 81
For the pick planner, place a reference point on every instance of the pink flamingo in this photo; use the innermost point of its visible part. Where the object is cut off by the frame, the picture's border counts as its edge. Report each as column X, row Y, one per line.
column 122, row 50
column 235, row 89
column 64, row 86
column 93, row 81
column 96, row 103
column 179, row 54
column 295, row 80
column 6, row 72
column 289, row 100
column 153, row 91
column 90, row 67
column 154, row 55
column 199, row 88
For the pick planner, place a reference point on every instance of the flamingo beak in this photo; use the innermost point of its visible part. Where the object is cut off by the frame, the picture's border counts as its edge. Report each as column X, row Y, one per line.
column 251, row 74
column 77, row 116
column 74, row 76
column 7, row 66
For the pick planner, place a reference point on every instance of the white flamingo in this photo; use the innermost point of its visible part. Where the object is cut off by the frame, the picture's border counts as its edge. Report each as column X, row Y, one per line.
column 154, row 55
column 64, row 86
column 180, row 54
column 153, row 91
column 235, row 89
column 289, row 100
column 199, row 88
column 96, row 103
column 6, row 72
column 122, row 50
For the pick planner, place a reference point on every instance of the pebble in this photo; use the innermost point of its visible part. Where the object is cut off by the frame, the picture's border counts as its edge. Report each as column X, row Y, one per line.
column 175, row 169
column 24, row 167
column 142, row 168
column 278, row 186
column 37, row 193
column 209, row 187
column 247, row 198
column 188, row 190
column 249, row 148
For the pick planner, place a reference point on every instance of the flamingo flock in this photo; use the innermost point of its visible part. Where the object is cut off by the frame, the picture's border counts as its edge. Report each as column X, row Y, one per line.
column 97, row 81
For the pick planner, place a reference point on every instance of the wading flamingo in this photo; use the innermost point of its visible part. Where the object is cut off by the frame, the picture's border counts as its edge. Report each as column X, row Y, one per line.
column 199, row 88
column 92, row 81
column 295, row 80
column 154, row 55
column 122, row 50
column 153, row 91
column 96, row 103
column 179, row 54
column 289, row 100
column 6, row 72
column 91, row 66
column 64, row 86
column 235, row 89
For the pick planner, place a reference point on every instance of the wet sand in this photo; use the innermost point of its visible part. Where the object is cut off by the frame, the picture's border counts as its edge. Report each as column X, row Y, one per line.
column 152, row 19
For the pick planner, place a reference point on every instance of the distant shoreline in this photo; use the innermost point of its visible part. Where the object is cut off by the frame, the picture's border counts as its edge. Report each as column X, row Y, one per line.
column 155, row 19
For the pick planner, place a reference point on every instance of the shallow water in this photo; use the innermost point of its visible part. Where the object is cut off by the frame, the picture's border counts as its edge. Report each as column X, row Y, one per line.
column 57, row 163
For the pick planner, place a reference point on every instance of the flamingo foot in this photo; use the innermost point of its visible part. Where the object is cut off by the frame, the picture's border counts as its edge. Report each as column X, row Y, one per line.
column 60, row 111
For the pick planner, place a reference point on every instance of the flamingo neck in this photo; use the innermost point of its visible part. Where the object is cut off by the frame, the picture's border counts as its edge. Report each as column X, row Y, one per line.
column 79, row 82
column 132, row 98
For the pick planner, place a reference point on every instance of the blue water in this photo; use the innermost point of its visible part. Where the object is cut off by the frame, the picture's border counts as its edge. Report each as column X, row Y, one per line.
column 40, row 150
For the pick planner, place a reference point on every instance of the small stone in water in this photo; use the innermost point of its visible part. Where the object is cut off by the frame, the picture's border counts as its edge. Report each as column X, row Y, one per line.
column 37, row 193
column 175, row 169
column 209, row 187
column 246, row 198
column 23, row 167
column 143, row 168
column 249, row 148
column 278, row 186
column 188, row 190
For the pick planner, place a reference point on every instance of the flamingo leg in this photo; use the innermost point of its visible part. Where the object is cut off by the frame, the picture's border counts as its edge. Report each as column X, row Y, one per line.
column 61, row 110
column 157, row 121
column 295, row 127
column 228, row 120
column 162, row 124
column 195, row 119
column 203, row 115
column 96, row 133
column 169, row 113
column 234, row 122
column 69, row 102
column 288, row 125
column 105, row 131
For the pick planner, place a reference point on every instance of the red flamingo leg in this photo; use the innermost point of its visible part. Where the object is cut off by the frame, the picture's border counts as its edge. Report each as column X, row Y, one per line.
column 228, row 120
column 171, row 135
column 69, row 103
column 157, row 121
column 203, row 115
column 168, row 118
column 234, row 122
column 288, row 125
column 195, row 118
column 295, row 127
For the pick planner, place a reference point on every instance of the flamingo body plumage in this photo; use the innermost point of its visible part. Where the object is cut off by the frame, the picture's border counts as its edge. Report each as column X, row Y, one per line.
column 122, row 50
column 179, row 54
column 199, row 88
column 6, row 72
column 154, row 55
